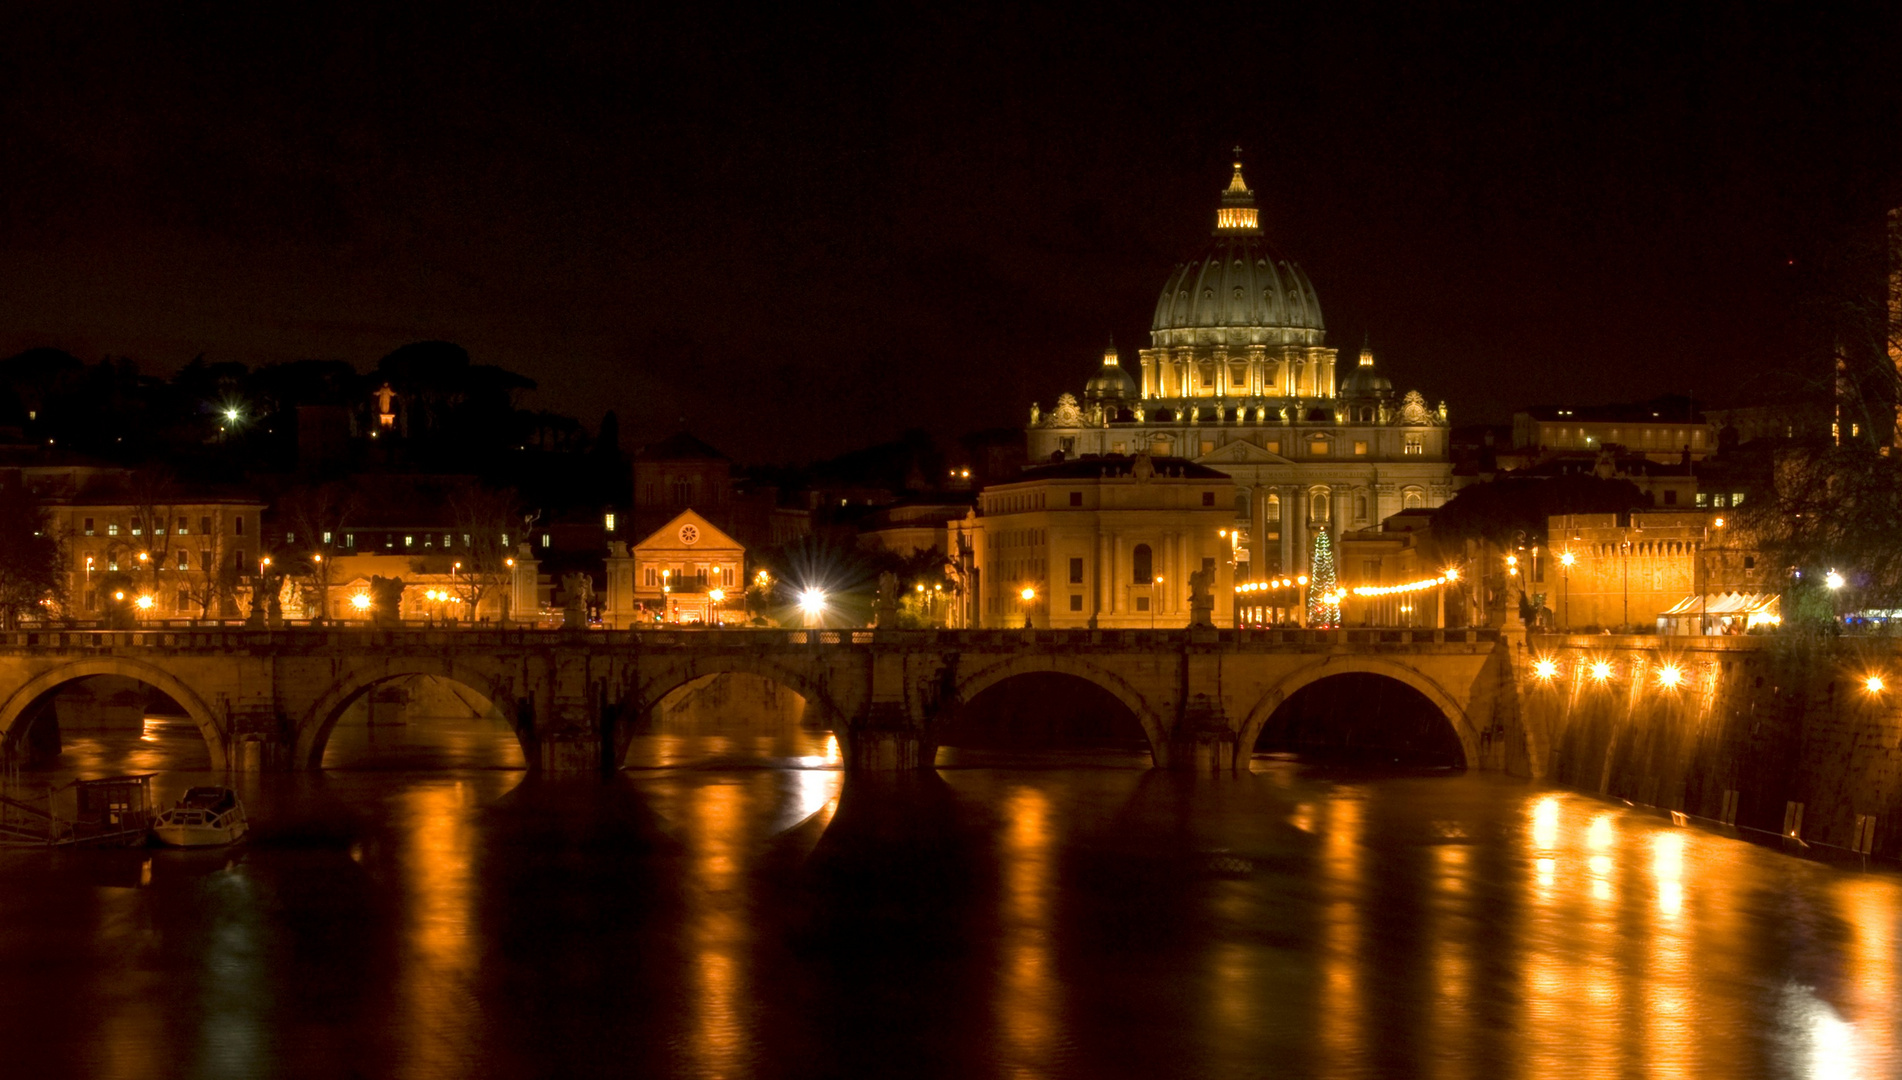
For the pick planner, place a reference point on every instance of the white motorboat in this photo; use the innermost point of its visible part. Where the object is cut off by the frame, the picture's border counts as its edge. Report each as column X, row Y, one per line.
column 205, row 817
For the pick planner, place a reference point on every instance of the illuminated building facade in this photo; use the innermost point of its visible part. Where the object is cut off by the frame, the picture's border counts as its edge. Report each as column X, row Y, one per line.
column 686, row 571
column 1105, row 542
column 177, row 557
column 1239, row 377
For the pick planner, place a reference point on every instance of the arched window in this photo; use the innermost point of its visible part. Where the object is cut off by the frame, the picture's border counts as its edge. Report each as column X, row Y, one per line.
column 1273, row 510
column 1360, row 508
column 1318, row 500
column 1413, row 499
column 1141, row 566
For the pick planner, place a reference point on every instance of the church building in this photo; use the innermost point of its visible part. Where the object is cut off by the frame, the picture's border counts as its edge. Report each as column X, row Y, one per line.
column 1239, row 378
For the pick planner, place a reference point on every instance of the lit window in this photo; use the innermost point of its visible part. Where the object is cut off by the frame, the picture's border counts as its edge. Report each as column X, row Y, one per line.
column 546, row 539
column 88, row 526
column 409, row 541
column 1318, row 448
column 112, row 527
column 349, row 540
column 610, row 522
column 1360, row 448
column 326, row 538
column 184, row 560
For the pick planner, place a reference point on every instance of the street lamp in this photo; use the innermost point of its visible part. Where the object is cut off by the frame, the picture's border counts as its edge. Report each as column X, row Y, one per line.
column 1566, row 559
column 1029, row 597
column 812, row 604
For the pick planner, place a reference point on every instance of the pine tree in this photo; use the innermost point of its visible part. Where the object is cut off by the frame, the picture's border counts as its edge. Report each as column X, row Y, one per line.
column 1322, row 612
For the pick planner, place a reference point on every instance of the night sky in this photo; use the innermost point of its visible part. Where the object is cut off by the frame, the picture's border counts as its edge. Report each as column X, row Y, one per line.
column 808, row 230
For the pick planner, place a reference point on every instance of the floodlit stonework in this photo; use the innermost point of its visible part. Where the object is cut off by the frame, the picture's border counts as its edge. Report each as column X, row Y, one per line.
column 1238, row 377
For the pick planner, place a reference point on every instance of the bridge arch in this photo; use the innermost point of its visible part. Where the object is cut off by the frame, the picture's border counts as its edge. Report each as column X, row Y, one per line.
column 15, row 706
column 657, row 680
column 317, row 723
column 1330, row 666
column 983, row 678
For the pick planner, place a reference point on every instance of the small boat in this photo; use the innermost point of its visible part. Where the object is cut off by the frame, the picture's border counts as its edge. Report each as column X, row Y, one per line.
column 205, row 817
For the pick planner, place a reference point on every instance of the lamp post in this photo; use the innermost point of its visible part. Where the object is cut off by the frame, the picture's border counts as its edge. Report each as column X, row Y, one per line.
column 1155, row 597
column 1624, row 581
column 1029, row 597
column 1566, row 559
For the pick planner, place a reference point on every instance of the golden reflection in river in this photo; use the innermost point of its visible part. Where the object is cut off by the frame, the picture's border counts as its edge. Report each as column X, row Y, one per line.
column 126, row 1034
column 1341, row 1020
column 439, row 958
column 1571, row 944
column 1869, row 906
column 1453, row 1010
column 718, row 932
column 1670, row 1027
column 1027, row 1001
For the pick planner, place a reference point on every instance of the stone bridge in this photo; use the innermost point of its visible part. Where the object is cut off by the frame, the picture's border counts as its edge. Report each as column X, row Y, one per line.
column 268, row 699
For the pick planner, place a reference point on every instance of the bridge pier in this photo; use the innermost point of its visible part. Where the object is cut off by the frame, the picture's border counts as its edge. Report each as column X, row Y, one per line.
column 1203, row 740
column 887, row 739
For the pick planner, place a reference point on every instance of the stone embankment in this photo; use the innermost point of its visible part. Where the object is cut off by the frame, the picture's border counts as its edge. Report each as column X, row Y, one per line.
column 1765, row 733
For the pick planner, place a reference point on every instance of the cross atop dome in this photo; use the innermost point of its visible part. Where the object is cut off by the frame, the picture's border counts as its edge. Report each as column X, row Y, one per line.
column 1237, row 214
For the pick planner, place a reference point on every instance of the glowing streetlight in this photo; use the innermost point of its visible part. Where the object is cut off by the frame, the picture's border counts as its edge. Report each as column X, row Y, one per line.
column 1545, row 669
column 1833, row 580
column 1567, row 559
column 1030, row 594
column 361, row 602
column 1670, row 676
column 1601, row 670
column 1874, row 684
column 232, row 414
column 144, row 602
column 812, row 602
column 716, row 595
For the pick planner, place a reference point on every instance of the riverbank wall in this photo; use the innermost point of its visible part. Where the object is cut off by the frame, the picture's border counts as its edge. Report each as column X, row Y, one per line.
column 1765, row 733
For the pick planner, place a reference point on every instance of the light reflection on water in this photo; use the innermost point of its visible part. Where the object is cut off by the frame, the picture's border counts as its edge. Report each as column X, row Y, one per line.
column 1089, row 920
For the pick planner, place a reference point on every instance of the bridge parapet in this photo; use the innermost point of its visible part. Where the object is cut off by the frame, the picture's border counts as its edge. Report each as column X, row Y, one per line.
column 307, row 639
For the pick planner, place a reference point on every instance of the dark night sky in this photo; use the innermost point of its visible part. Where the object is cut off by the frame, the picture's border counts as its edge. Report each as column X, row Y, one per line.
column 808, row 231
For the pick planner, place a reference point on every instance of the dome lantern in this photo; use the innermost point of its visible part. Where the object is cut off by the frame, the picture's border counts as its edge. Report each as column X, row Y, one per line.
column 1237, row 214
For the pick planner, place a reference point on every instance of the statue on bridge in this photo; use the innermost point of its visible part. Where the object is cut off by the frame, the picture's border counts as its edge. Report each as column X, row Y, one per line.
column 885, row 607
column 1202, row 598
column 578, row 595
column 386, row 600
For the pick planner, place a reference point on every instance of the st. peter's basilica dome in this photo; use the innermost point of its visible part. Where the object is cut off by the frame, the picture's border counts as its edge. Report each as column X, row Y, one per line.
column 1241, row 292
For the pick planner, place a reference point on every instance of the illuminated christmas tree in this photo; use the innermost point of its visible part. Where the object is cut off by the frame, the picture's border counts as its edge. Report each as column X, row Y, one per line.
column 1323, row 612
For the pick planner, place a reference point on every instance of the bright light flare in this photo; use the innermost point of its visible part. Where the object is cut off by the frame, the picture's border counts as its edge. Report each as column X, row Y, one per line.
column 1874, row 684
column 1670, row 676
column 1833, row 580
column 812, row 601
column 716, row 595
column 1028, row 594
column 1545, row 669
column 1601, row 670
column 361, row 602
column 1567, row 560
column 144, row 602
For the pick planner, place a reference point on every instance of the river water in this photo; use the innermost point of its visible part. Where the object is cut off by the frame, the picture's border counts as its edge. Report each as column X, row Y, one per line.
column 734, row 908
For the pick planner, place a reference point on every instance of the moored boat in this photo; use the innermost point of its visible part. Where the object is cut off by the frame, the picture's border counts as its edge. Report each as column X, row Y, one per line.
column 205, row 817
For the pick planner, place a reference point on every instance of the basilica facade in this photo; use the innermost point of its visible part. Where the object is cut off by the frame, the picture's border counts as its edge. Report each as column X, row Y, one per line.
column 1238, row 377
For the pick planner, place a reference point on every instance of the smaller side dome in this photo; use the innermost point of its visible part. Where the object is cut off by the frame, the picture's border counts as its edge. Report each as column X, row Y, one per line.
column 1365, row 382
column 1110, row 383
